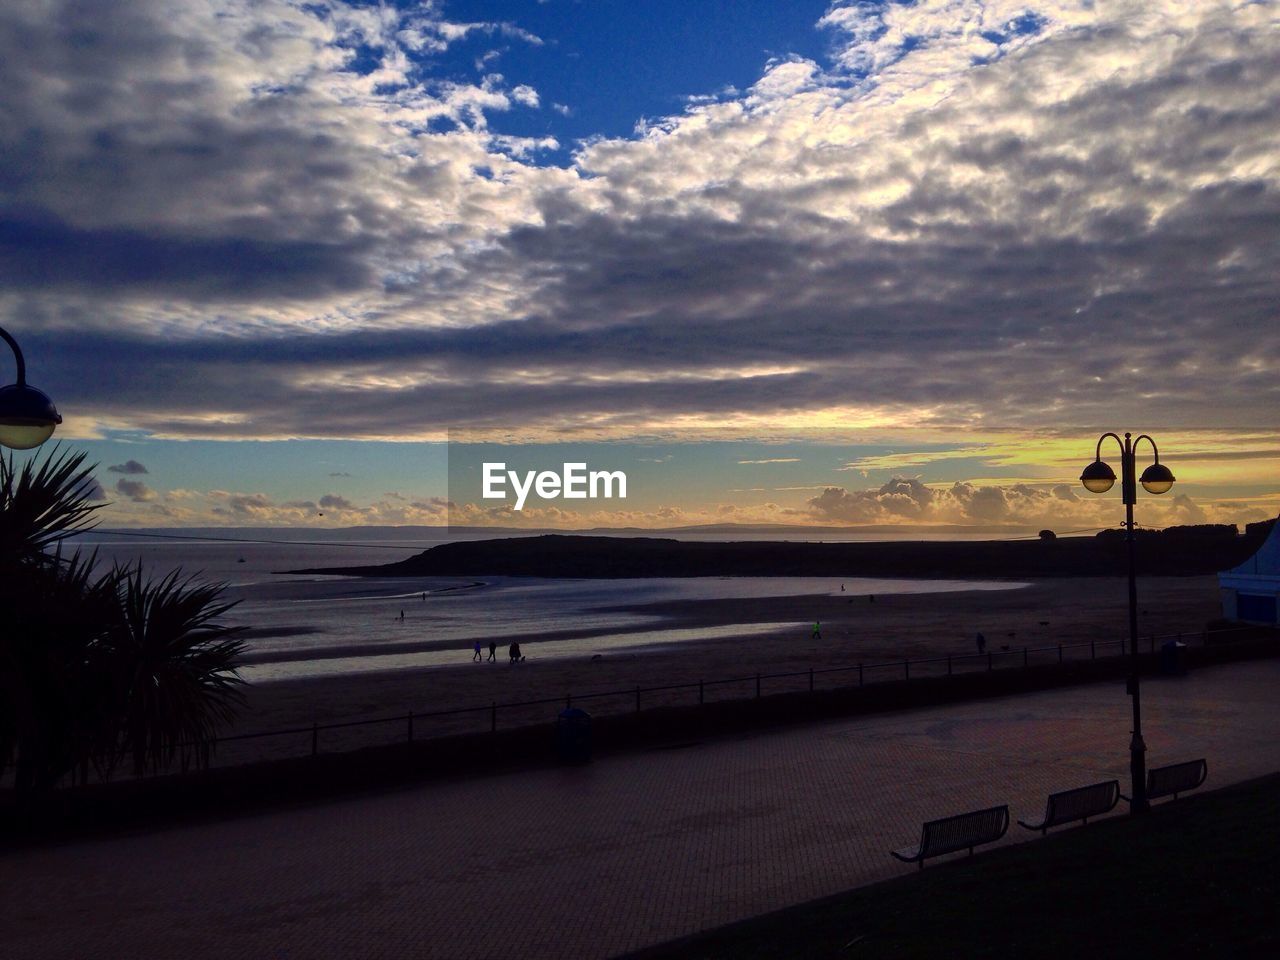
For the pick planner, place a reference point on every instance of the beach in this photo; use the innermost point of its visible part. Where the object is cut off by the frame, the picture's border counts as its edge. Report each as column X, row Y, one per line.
column 854, row 629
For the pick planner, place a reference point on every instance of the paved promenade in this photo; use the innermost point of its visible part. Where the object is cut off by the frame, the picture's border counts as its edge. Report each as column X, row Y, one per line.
column 590, row 862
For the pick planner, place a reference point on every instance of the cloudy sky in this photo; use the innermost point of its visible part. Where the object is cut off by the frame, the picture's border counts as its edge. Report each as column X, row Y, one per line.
column 850, row 262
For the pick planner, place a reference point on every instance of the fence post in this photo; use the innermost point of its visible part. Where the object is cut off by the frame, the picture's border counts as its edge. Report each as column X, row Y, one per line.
column 411, row 726
column 493, row 716
column 1153, row 643
column 637, row 699
column 757, row 686
column 1024, row 658
column 315, row 738
column 990, row 662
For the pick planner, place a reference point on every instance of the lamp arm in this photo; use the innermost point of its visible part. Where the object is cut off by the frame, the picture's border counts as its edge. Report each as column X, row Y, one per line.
column 17, row 353
column 1150, row 441
column 1098, row 453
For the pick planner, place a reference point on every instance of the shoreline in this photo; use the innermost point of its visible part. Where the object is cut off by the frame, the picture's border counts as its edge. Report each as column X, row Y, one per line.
column 1048, row 611
column 662, row 615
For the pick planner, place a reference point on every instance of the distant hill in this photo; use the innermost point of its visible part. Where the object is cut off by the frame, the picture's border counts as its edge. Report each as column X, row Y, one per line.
column 1172, row 552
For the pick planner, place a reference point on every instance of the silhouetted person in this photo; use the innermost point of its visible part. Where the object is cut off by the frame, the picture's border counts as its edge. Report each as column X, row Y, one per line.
column 982, row 643
column 842, row 588
column 493, row 650
column 515, row 651
column 476, row 656
column 871, row 598
column 817, row 631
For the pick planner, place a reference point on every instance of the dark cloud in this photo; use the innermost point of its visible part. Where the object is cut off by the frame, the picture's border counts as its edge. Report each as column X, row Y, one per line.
column 131, row 467
column 94, row 491
column 47, row 254
column 135, row 490
column 331, row 501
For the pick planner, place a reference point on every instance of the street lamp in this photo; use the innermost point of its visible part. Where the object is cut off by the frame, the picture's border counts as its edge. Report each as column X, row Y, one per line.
column 27, row 415
column 1098, row 477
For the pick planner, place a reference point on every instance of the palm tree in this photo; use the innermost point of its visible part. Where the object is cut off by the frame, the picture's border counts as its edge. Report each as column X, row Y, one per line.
column 53, row 690
column 94, row 667
column 172, row 667
column 53, row 613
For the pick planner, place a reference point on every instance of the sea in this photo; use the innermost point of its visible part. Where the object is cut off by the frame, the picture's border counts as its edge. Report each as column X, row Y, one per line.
column 305, row 625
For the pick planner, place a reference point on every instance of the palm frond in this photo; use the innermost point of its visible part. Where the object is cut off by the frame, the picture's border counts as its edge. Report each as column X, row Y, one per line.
column 43, row 503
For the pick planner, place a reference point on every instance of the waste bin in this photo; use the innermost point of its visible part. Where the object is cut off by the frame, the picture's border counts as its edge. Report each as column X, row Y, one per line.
column 1173, row 657
column 573, row 736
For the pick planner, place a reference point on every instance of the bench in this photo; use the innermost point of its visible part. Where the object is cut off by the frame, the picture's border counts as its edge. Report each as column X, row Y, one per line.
column 961, row 832
column 1174, row 779
column 1081, row 803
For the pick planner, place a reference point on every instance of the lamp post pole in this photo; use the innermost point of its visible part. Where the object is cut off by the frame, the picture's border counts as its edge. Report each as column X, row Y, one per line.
column 1156, row 479
column 1137, row 746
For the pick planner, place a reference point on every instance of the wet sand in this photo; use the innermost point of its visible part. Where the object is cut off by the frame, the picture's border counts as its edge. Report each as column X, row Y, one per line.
column 854, row 630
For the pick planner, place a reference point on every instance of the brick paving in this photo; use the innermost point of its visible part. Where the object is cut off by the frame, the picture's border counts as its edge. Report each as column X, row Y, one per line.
column 589, row 862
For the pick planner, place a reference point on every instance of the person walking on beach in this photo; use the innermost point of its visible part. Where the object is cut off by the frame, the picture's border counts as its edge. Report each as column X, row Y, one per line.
column 475, row 656
column 514, row 652
column 982, row 643
column 493, row 651
column 817, row 631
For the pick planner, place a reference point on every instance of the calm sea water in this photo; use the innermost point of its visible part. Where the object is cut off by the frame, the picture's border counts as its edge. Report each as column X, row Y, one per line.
column 315, row 625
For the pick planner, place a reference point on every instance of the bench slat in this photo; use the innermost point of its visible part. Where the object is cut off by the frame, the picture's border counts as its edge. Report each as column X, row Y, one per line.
column 961, row 832
column 1081, row 803
column 1176, row 778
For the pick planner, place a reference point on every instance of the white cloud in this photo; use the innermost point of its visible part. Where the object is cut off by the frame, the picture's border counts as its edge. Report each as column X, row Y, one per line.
column 933, row 230
column 908, row 500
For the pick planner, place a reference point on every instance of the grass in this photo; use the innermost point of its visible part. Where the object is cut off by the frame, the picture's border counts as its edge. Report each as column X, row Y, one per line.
column 1199, row 877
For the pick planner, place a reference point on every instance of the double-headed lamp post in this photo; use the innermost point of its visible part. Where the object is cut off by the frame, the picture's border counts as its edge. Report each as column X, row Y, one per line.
column 1098, row 477
column 27, row 415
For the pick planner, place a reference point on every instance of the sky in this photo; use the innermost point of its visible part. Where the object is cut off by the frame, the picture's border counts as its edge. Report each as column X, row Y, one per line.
column 817, row 263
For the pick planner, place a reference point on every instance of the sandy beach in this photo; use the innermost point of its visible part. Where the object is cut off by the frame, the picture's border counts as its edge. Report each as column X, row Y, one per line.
column 854, row 630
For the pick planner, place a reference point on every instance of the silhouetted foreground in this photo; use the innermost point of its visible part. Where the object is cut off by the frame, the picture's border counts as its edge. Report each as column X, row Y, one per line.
column 1178, row 551
column 1197, row 875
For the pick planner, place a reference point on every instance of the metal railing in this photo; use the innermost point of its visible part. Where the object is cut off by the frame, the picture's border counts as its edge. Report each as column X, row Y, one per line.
column 525, row 713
